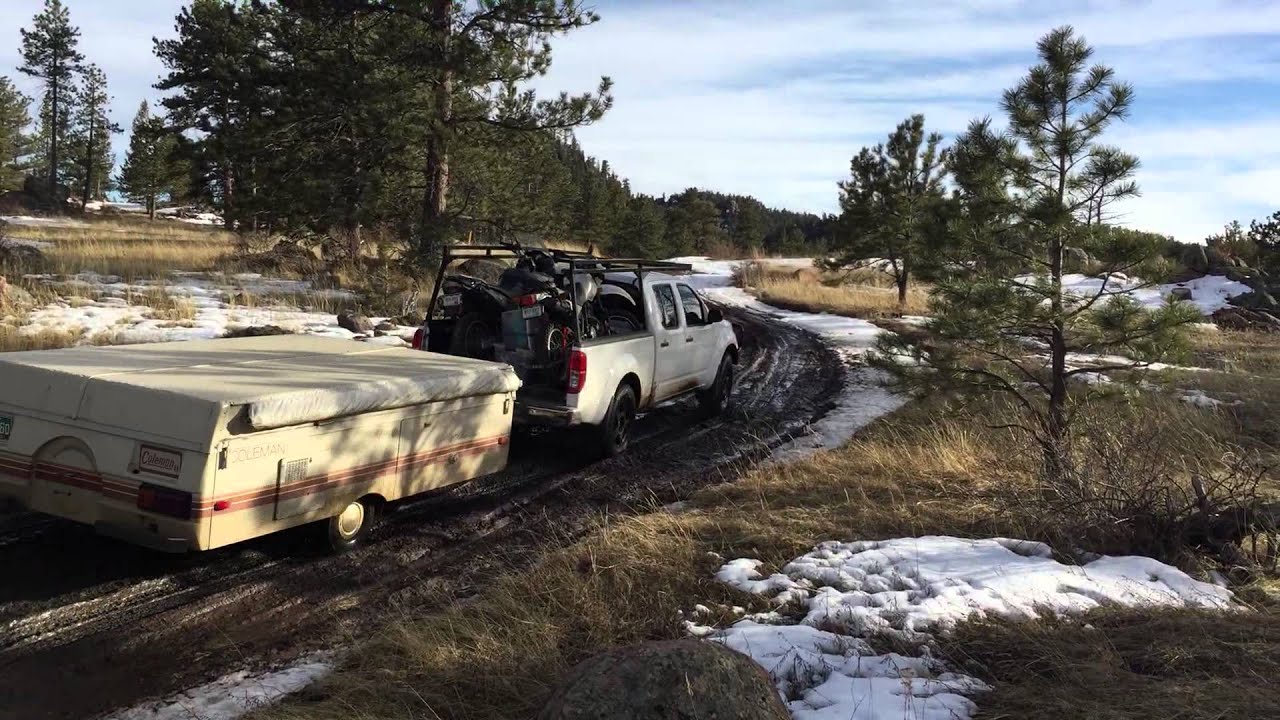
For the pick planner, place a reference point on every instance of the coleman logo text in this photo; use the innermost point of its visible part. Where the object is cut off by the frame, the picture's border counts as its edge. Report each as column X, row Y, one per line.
column 258, row 452
column 165, row 462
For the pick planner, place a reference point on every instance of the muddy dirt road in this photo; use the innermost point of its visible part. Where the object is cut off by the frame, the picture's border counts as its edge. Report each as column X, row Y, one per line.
column 89, row 625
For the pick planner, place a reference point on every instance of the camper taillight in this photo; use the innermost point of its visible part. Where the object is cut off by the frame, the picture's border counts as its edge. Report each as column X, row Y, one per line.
column 174, row 503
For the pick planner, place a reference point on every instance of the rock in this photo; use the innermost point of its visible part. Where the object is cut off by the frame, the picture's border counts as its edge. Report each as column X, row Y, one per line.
column 1076, row 259
column 1245, row 275
column 1180, row 293
column 675, row 679
column 356, row 323
column 1236, row 318
column 1257, row 300
column 257, row 331
column 1194, row 257
column 408, row 320
column 386, row 327
column 807, row 275
column 489, row 271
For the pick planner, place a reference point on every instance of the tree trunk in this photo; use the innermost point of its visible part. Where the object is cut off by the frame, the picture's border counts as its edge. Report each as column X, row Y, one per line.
column 151, row 207
column 228, row 199
column 902, row 278
column 53, row 143
column 88, row 170
column 435, row 202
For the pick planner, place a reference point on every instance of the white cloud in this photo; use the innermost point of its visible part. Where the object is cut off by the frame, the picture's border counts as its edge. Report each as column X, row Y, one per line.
column 772, row 99
column 766, row 99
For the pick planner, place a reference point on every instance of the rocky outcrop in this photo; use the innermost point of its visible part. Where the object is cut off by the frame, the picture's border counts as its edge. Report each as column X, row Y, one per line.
column 1238, row 318
column 257, row 331
column 672, row 680
column 356, row 323
column 1196, row 259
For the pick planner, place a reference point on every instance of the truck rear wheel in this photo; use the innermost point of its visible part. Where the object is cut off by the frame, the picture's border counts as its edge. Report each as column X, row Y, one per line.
column 715, row 399
column 615, row 433
column 348, row 529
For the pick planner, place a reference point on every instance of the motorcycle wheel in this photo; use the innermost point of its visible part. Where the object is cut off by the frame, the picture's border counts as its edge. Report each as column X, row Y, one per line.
column 472, row 337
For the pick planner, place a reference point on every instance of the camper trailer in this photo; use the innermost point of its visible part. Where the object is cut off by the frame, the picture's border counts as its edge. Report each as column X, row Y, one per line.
column 197, row 445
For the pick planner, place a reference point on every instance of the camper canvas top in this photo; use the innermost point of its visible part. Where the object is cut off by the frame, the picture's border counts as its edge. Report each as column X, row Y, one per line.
column 180, row 390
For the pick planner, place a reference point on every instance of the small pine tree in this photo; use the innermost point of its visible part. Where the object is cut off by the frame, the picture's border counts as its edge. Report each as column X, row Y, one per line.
column 149, row 171
column 49, row 54
column 890, row 199
column 15, row 143
column 641, row 234
column 1003, row 319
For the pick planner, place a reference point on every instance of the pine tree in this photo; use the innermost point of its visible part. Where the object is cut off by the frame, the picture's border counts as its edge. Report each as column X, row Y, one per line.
column 641, row 234
column 891, row 198
column 474, row 61
column 693, row 225
column 15, row 143
column 90, row 138
column 49, row 54
column 1003, row 322
column 223, row 76
column 149, row 172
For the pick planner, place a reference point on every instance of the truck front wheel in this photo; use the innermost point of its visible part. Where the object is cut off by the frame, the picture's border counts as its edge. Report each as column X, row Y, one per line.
column 616, row 430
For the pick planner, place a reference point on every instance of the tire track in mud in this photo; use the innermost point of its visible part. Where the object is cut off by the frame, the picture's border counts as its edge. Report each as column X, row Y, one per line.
column 88, row 624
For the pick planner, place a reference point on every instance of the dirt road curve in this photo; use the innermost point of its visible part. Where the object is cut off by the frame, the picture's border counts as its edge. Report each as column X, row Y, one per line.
column 89, row 625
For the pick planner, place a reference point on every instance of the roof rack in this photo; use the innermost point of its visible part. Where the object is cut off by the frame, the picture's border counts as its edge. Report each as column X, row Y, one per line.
column 577, row 261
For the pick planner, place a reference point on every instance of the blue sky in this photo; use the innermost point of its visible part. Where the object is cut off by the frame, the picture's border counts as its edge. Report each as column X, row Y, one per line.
column 773, row 98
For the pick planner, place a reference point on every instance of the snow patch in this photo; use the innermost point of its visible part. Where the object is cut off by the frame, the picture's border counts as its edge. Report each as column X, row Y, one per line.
column 1209, row 293
column 907, row 588
column 233, row 695
column 32, row 221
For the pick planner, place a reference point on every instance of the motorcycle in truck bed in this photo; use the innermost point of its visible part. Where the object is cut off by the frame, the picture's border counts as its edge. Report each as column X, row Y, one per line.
column 593, row 340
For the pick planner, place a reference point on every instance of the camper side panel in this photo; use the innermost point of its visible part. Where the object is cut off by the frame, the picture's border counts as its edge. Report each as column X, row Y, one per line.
column 275, row 479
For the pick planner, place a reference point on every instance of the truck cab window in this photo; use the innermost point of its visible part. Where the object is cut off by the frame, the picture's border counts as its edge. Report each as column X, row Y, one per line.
column 694, row 312
column 667, row 304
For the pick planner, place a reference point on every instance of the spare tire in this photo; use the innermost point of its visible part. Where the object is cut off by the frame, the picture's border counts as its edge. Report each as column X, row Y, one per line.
column 472, row 337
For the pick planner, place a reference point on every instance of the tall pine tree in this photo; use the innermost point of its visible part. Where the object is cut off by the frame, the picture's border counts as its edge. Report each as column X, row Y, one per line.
column 15, row 142
column 90, row 138
column 49, row 54
column 1003, row 320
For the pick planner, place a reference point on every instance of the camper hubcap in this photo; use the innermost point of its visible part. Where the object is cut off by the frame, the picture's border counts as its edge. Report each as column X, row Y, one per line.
column 351, row 519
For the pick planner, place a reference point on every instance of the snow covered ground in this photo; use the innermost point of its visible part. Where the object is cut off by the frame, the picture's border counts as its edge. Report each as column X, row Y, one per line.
column 30, row 221
column 833, row 599
column 864, row 398
column 232, row 695
column 1209, row 293
column 103, row 308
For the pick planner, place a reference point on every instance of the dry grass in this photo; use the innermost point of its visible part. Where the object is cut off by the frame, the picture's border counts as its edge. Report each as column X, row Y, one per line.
column 860, row 293
column 1116, row 663
column 928, row 469
column 126, row 247
column 862, row 301
column 12, row 340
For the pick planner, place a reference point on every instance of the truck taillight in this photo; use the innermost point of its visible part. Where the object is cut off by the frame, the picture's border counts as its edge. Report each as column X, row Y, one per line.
column 527, row 300
column 577, row 371
column 165, row 501
column 419, row 339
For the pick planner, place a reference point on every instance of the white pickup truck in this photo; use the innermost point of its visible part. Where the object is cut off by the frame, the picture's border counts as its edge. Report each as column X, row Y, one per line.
column 684, row 347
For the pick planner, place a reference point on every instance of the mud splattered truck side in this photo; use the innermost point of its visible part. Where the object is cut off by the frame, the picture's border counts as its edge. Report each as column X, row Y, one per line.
column 196, row 445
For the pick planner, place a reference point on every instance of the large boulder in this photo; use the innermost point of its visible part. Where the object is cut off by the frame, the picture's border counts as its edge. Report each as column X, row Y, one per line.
column 672, row 680
column 1237, row 318
column 487, row 270
column 21, row 256
column 1076, row 259
column 356, row 323
column 1195, row 258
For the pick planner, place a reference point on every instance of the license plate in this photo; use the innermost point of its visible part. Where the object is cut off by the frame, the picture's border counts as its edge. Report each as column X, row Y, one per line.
column 6, row 427
column 532, row 311
column 450, row 300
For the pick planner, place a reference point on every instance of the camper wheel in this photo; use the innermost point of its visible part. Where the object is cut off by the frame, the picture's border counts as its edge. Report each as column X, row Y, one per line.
column 348, row 529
